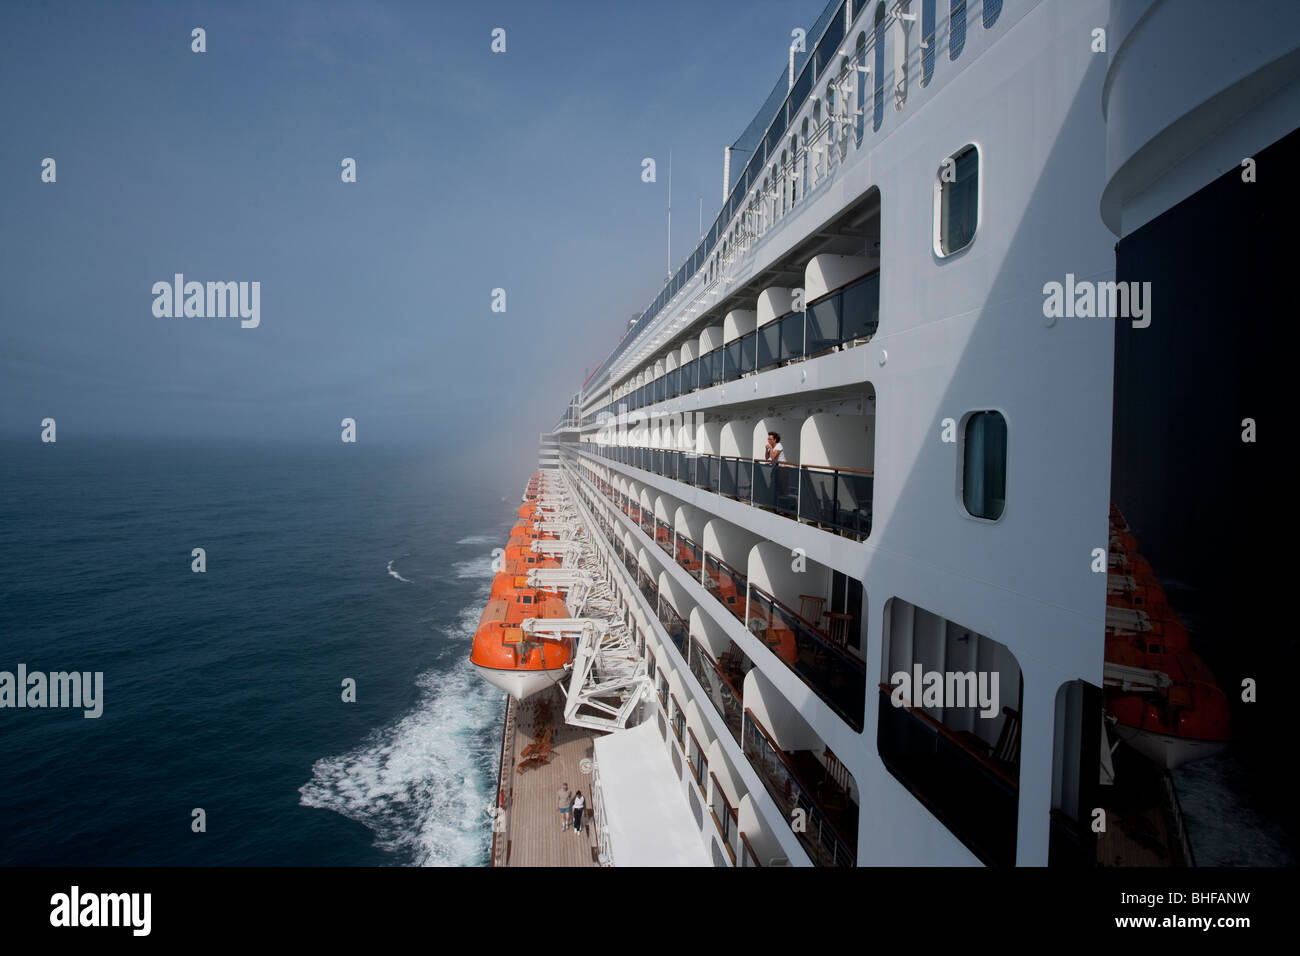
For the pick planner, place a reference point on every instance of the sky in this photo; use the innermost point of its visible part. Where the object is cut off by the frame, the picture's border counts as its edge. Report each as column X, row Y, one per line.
column 474, row 171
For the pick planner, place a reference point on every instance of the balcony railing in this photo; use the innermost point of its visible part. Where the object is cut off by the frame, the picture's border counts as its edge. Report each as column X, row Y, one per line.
column 838, row 500
column 848, row 315
column 697, row 759
column 776, row 487
column 726, row 584
column 647, row 587
column 725, row 697
column 736, row 478
column 664, row 536
column 689, row 555
column 725, row 817
column 830, row 815
column 974, row 798
column 674, row 625
column 838, row 678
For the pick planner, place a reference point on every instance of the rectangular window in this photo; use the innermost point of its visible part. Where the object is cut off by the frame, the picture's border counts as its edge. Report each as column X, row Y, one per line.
column 956, row 28
column 984, row 480
column 927, row 41
column 958, row 200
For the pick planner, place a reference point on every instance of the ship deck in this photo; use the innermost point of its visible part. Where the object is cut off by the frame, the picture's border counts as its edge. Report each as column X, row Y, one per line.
column 532, row 835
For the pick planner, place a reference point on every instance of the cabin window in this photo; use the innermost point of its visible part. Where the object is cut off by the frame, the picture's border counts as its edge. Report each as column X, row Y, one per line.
column 957, row 201
column 956, row 28
column 860, row 57
column 927, row 41
column 991, row 10
column 527, row 599
column 878, row 42
column 984, row 469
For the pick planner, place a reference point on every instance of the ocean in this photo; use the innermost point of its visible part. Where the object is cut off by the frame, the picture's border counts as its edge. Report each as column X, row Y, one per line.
column 223, row 690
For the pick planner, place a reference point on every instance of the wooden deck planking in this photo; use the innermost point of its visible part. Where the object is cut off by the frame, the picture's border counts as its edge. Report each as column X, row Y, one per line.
column 532, row 818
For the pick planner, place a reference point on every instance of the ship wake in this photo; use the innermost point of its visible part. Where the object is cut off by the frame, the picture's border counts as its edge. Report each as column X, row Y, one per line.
column 424, row 785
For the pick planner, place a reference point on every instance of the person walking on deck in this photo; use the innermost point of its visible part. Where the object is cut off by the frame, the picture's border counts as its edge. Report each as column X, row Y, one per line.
column 579, row 804
column 565, row 800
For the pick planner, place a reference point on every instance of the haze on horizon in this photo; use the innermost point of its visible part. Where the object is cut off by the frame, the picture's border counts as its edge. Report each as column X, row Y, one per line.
column 475, row 171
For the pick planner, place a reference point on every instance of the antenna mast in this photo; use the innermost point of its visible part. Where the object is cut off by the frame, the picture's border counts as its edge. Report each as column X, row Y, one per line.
column 670, row 213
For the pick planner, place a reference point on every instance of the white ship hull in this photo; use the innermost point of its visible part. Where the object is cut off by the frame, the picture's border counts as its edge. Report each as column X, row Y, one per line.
column 521, row 684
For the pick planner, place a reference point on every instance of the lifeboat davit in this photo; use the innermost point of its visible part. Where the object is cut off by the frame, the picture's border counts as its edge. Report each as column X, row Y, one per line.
column 520, row 559
column 504, row 655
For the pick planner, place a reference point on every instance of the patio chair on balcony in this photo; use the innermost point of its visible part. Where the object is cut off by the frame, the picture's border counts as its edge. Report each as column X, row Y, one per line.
column 837, row 628
column 1005, row 752
column 811, row 609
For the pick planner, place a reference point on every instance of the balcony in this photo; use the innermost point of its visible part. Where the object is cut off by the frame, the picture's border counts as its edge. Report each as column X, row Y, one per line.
column 837, row 677
column 646, row 585
column 847, row 316
column 664, row 537
column 799, row 781
column 726, row 584
column 736, row 478
column 726, row 818
column 689, row 555
column 838, row 500
column 972, row 795
column 776, row 488
column 673, row 624
column 721, row 683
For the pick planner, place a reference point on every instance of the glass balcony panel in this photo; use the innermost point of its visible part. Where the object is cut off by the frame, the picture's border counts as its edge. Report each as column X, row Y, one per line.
column 830, row 832
column 719, row 690
column 824, row 324
column 726, row 584
column 835, row 676
column 776, row 486
column 769, row 345
column 792, row 336
column 975, row 800
column 861, row 309
column 731, row 369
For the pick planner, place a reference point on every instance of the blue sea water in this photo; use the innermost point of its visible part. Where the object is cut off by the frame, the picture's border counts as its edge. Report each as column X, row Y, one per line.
column 222, row 690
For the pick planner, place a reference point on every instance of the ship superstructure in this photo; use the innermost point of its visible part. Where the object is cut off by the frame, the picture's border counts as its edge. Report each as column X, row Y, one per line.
column 846, row 483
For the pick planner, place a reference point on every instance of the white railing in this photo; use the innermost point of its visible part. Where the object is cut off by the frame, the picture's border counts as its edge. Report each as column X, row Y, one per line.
column 830, row 141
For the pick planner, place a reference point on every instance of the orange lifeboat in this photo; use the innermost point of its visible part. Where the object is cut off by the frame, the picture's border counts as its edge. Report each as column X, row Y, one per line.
column 509, row 659
column 520, row 559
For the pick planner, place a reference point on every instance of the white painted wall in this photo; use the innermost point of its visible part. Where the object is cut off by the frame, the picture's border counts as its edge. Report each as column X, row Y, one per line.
column 738, row 322
column 737, row 440
column 773, row 303
column 837, row 441
column 825, row 273
column 728, row 542
column 771, row 567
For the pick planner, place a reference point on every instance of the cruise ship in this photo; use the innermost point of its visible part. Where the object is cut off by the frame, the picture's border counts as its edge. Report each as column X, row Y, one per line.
column 914, row 521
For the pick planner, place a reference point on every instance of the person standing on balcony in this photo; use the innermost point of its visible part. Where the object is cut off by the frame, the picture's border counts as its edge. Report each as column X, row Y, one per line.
column 775, row 453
